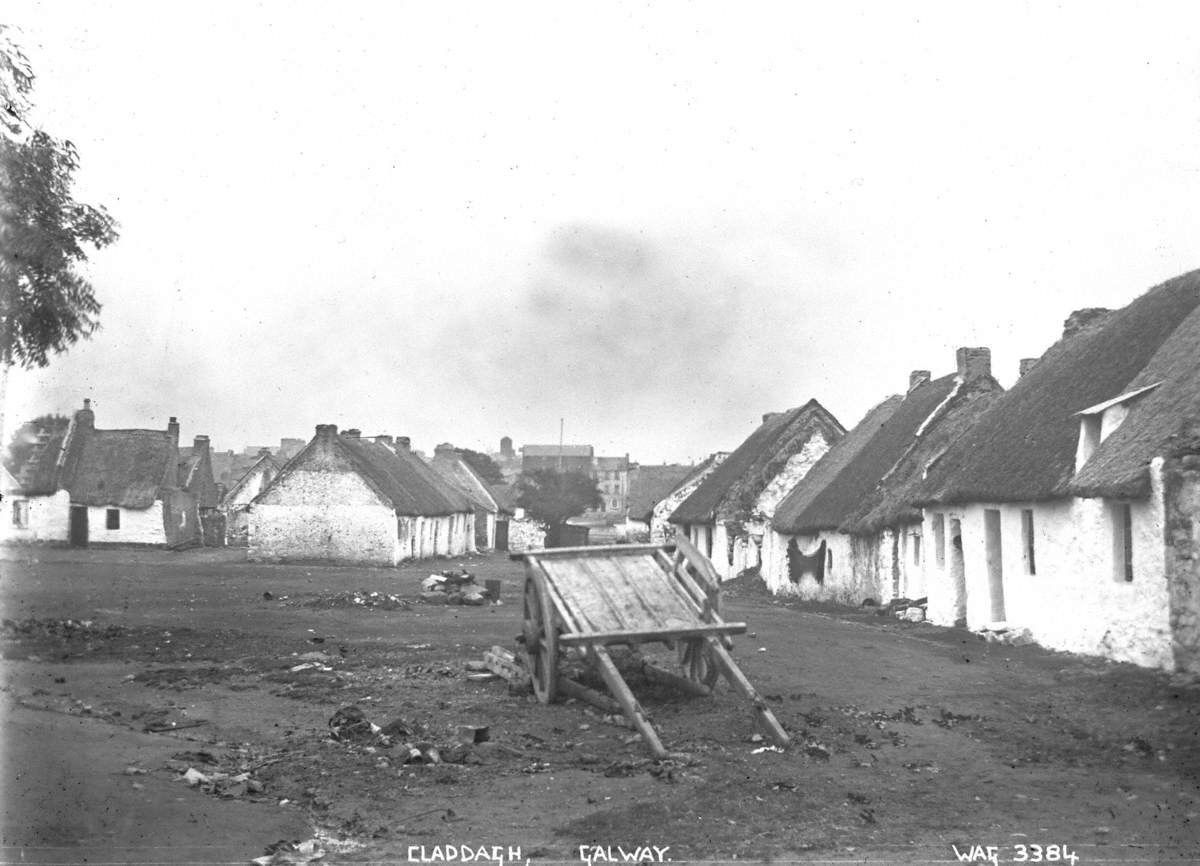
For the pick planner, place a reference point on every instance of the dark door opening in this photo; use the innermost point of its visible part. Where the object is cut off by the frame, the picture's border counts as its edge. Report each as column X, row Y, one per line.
column 501, row 535
column 79, row 526
column 958, row 573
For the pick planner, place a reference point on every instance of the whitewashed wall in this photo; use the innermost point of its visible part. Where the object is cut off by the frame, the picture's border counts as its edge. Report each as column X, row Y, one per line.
column 1077, row 600
column 323, row 515
column 847, row 581
column 49, row 518
column 138, row 526
column 791, row 474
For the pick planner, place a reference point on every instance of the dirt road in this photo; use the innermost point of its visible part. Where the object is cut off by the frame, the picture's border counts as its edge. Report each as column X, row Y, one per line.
column 125, row 669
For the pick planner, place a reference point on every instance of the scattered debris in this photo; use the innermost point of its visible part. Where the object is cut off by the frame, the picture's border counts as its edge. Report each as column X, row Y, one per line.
column 1003, row 633
column 350, row 724
column 361, row 598
column 504, row 663
column 454, row 587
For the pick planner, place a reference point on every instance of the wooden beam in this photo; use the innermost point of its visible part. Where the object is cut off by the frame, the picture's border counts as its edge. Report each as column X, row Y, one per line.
column 633, row 710
column 580, row 692
column 738, row 680
column 606, row 637
column 598, row 550
column 654, row 672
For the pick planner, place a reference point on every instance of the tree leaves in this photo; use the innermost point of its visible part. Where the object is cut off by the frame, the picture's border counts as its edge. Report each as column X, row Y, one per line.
column 552, row 497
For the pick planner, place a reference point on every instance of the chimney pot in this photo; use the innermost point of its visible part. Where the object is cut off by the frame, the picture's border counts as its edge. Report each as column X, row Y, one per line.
column 199, row 444
column 404, row 443
column 1026, row 365
column 87, row 402
column 974, row 363
column 917, row 378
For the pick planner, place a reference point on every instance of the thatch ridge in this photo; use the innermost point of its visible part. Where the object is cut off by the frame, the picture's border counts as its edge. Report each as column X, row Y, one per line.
column 746, row 472
column 1023, row 447
column 413, row 488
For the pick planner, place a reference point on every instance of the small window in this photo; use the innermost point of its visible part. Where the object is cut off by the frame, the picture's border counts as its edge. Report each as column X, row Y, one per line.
column 1123, row 542
column 828, row 559
column 939, row 539
column 112, row 518
column 1027, row 540
column 20, row 514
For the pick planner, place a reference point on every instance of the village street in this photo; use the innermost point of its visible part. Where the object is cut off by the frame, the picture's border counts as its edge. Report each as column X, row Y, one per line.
column 909, row 741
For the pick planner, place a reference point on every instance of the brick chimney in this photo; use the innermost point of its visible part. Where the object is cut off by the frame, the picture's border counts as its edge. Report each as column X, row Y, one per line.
column 1027, row 364
column 199, row 446
column 173, row 429
column 403, row 443
column 85, row 418
column 974, row 364
column 445, row 450
column 352, row 433
column 326, row 431
column 917, row 378
column 1081, row 319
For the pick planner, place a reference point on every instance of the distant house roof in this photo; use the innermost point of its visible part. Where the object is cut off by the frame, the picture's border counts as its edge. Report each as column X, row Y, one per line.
column 403, row 478
column 123, row 468
column 730, row 489
column 463, row 477
column 1023, row 447
column 649, row 485
column 555, row 450
column 265, row 463
column 799, row 509
column 612, row 464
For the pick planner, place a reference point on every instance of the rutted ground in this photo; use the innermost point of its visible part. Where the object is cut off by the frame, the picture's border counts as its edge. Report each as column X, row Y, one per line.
column 907, row 738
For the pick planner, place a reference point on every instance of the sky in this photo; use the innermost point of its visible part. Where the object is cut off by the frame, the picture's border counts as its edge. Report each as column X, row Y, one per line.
column 651, row 223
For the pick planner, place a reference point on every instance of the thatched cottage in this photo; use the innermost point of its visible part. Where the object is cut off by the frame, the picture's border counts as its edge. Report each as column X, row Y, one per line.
column 661, row 529
column 346, row 498
column 492, row 512
column 88, row 486
column 849, row 530
column 726, row 514
column 1071, row 507
column 235, row 504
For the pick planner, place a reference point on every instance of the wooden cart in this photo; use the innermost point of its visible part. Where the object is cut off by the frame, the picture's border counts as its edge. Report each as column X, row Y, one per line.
column 590, row 598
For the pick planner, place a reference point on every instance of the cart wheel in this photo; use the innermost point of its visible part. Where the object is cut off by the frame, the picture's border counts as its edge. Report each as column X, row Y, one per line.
column 541, row 639
column 695, row 657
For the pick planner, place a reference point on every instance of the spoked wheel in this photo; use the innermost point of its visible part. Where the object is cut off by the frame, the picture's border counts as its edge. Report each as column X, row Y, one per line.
column 695, row 657
column 541, row 639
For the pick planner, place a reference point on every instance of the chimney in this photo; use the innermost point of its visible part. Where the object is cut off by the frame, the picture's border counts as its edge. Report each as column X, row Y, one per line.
column 445, row 449
column 974, row 364
column 1027, row 364
column 1081, row 319
column 199, row 446
column 352, row 433
column 917, row 378
column 403, row 443
column 385, row 440
column 326, row 431
column 264, row 452
column 506, row 449
column 173, row 429
column 85, row 417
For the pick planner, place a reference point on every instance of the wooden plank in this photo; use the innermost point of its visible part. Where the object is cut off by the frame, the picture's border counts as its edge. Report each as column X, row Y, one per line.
column 580, row 692
column 598, row 550
column 633, row 710
column 630, row 587
column 607, row 637
column 581, row 597
column 686, row 586
column 568, row 619
column 655, row 587
column 738, row 680
column 610, row 582
column 709, row 580
column 654, row 672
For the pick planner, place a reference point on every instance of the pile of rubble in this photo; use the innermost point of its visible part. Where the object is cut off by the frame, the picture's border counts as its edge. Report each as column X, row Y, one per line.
column 1002, row 632
column 408, row 742
column 907, row 609
column 457, row 586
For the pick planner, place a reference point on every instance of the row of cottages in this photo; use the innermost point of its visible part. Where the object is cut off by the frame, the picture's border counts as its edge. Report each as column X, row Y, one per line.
column 648, row 485
column 728, row 512
column 89, row 486
column 347, row 498
column 235, row 504
column 1079, row 491
column 847, row 532
column 659, row 518
column 492, row 511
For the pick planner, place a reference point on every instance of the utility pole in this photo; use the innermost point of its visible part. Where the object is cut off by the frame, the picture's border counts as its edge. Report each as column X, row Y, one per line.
column 560, row 446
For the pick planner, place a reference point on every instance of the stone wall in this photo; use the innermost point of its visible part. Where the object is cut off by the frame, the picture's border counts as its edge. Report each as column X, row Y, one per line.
column 1181, row 474
column 525, row 534
column 138, row 525
column 48, row 518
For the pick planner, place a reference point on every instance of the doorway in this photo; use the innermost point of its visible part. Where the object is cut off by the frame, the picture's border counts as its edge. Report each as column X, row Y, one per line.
column 958, row 573
column 78, row 536
column 995, row 562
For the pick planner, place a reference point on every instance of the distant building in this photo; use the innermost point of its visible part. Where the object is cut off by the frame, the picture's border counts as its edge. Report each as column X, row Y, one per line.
column 560, row 458
column 492, row 512
column 612, row 477
column 236, row 502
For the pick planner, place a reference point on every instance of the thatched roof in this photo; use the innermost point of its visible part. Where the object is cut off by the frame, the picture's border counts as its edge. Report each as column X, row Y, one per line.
column 649, row 485
column 730, row 491
column 124, row 468
column 460, row 475
column 891, row 503
column 413, row 488
column 266, row 463
column 121, row 468
column 1118, row 468
column 1023, row 447
column 813, row 505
